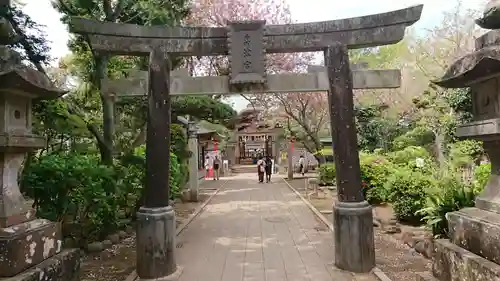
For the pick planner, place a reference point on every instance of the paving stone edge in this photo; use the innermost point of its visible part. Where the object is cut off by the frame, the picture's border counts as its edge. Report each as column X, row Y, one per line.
column 379, row 274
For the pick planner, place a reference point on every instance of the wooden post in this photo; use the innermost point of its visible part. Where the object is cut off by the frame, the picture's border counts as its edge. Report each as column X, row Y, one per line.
column 353, row 218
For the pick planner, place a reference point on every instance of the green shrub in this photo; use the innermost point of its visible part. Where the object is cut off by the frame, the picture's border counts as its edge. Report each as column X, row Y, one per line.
column 374, row 172
column 408, row 191
column 464, row 152
column 450, row 195
column 76, row 191
column 418, row 136
column 327, row 174
column 407, row 158
column 179, row 146
column 408, row 155
column 481, row 176
column 179, row 142
column 175, row 172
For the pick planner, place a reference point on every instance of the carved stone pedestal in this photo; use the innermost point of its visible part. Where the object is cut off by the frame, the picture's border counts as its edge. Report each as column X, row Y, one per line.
column 64, row 266
column 156, row 244
column 354, row 241
column 28, row 244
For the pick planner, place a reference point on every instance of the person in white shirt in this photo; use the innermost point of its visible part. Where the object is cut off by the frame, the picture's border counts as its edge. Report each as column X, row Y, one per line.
column 302, row 164
column 208, row 166
column 261, row 169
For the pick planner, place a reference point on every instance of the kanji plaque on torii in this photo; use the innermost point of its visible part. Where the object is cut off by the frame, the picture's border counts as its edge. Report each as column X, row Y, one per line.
column 246, row 52
column 247, row 43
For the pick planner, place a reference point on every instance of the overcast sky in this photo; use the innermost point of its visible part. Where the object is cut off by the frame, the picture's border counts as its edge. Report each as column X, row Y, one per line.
column 302, row 11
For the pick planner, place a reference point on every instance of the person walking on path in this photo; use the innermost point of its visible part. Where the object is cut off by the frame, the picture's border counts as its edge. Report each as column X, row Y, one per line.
column 261, row 169
column 269, row 168
column 217, row 165
column 302, row 164
column 208, row 165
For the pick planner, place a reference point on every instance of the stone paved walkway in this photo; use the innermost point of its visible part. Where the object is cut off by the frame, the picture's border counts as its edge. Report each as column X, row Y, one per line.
column 256, row 232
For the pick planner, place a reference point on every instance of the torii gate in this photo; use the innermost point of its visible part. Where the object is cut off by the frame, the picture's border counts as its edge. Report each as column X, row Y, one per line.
column 246, row 44
column 181, row 83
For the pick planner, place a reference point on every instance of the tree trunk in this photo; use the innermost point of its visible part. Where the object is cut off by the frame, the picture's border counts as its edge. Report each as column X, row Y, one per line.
column 438, row 143
column 108, row 111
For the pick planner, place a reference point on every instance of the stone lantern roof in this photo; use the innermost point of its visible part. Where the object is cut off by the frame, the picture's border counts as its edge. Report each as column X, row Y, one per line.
column 484, row 62
column 28, row 81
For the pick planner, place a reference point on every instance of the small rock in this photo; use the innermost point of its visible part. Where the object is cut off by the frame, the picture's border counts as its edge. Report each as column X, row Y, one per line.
column 69, row 242
column 429, row 248
column 122, row 234
column 420, row 237
column 185, row 196
column 129, row 229
column 392, row 221
column 332, row 188
column 392, row 229
column 114, row 238
column 105, row 255
column 107, row 244
column 376, row 223
column 95, row 247
column 420, row 247
column 171, row 203
column 408, row 239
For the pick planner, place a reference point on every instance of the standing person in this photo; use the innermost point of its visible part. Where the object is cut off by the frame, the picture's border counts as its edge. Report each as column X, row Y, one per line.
column 217, row 165
column 269, row 168
column 208, row 166
column 302, row 164
column 261, row 169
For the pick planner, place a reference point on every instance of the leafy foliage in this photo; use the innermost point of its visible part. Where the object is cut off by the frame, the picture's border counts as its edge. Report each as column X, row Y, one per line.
column 32, row 40
column 74, row 190
column 203, row 108
column 408, row 190
column 374, row 171
column 327, row 174
column 450, row 195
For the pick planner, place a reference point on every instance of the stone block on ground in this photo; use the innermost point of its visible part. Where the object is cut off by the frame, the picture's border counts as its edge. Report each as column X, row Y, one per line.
column 425, row 276
column 64, row 266
column 477, row 231
column 114, row 238
column 453, row 263
column 27, row 244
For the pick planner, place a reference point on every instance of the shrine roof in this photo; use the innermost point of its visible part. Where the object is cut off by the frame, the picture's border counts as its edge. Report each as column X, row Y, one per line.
column 471, row 68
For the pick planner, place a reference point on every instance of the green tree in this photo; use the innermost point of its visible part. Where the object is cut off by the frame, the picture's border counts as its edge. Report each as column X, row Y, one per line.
column 31, row 39
column 93, row 66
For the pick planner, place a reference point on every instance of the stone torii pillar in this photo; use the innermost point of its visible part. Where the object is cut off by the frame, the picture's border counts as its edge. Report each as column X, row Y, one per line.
column 193, row 162
column 289, row 158
column 353, row 217
column 246, row 44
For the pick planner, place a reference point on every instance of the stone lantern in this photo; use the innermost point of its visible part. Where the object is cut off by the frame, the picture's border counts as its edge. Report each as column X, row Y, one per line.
column 472, row 251
column 25, row 241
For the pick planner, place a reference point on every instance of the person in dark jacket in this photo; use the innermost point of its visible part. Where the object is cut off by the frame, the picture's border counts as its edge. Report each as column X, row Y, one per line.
column 269, row 167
